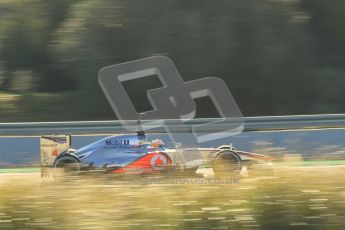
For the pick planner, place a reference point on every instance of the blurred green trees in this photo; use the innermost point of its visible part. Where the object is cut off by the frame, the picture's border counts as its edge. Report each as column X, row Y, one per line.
column 277, row 57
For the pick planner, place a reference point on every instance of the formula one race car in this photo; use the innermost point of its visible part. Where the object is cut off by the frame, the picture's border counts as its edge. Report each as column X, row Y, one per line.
column 137, row 154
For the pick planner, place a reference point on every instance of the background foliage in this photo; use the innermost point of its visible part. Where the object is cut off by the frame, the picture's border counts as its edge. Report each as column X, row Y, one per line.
column 277, row 56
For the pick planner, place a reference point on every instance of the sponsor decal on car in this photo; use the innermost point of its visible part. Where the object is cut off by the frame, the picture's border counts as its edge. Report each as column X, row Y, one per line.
column 152, row 162
column 116, row 142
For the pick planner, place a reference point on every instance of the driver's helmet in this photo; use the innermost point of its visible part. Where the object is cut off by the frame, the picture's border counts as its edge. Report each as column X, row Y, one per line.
column 140, row 143
column 157, row 143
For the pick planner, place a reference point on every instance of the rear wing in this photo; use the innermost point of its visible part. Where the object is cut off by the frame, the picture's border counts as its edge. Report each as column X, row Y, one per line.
column 51, row 146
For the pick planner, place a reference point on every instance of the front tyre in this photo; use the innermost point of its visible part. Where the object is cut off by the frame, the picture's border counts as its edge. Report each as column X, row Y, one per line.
column 226, row 164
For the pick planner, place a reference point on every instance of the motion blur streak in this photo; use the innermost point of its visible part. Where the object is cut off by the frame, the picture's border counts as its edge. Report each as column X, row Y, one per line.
column 288, row 197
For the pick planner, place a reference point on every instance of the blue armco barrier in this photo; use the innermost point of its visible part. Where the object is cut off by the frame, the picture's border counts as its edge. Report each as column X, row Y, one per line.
column 308, row 135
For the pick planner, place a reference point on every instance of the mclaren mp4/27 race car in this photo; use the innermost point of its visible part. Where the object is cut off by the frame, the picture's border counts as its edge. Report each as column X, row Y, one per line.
column 138, row 154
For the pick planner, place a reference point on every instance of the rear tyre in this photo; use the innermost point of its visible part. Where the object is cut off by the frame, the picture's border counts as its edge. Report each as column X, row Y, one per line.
column 67, row 165
column 227, row 164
